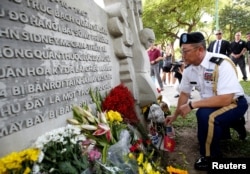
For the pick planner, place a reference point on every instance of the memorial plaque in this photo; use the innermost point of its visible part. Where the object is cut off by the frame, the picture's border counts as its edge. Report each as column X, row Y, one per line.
column 52, row 53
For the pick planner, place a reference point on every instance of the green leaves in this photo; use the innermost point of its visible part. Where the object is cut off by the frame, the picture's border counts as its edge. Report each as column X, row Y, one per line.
column 168, row 18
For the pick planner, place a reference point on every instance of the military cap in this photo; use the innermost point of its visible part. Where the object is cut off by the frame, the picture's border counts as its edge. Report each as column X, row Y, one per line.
column 191, row 38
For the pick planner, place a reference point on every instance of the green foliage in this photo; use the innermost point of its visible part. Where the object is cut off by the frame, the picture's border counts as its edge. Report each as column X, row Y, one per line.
column 66, row 167
column 189, row 121
column 167, row 18
column 246, row 87
column 236, row 147
column 70, row 161
column 234, row 18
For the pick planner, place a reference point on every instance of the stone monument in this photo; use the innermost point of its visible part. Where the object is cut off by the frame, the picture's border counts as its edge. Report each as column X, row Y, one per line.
column 53, row 52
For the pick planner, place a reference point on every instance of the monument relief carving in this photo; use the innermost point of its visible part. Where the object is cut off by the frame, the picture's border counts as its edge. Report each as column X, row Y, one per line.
column 53, row 52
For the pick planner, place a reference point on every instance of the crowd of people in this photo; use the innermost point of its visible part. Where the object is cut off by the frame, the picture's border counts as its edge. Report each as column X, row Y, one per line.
column 162, row 57
column 212, row 72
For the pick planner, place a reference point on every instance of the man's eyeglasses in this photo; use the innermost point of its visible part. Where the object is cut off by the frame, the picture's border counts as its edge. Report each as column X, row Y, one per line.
column 186, row 51
column 218, row 34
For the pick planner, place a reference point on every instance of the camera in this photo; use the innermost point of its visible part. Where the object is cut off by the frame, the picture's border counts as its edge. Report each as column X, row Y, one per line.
column 176, row 66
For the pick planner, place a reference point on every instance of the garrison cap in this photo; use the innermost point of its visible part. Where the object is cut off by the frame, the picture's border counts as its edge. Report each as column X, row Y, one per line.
column 191, row 38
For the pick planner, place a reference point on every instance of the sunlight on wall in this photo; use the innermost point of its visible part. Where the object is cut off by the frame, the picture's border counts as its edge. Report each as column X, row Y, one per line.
column 100, row 3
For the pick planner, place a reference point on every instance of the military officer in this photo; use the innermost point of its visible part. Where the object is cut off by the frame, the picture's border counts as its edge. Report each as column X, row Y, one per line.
column 222, row 104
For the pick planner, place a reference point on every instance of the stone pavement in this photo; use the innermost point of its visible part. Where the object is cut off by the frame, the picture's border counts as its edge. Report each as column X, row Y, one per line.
column 170, row 91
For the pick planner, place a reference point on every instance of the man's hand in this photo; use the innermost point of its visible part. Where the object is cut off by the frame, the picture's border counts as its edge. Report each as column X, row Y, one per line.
column 169, row 119
column 153, row 62
column 184, row 110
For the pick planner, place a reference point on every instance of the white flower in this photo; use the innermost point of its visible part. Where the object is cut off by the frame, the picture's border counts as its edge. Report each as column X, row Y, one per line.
column 51, row 170
column 63, row 150
column 35, row 169
column 41, row 156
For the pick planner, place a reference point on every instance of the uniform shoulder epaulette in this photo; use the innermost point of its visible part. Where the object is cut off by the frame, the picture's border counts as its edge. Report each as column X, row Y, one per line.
column 216, row 60
column 187, row 65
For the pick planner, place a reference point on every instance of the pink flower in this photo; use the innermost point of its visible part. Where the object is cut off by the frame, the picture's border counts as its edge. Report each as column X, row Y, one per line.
column 94, row 154
column 103, row 129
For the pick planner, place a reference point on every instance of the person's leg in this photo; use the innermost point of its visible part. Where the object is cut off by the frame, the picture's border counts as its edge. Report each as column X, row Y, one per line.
column 211, row 125
column 152, row 74
column 164, row 78
column 248, row 61
column 157, row 75
column 164, row 75
column 235, row 61
column 173, row 78
column 242, row 65
column 169, row 77
column 239, row 123
column 210, row 130
column 202, row 115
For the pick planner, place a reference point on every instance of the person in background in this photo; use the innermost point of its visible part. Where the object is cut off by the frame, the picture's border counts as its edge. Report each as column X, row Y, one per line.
column 177, row 69
column 238, row 49
column 219, row 45
column 162, row 55
column 154, row 58
column 167, row 65
column 248, row 50
column 222, row 103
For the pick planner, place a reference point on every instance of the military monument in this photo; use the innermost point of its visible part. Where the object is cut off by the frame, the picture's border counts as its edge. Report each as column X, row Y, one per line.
column 52, row 52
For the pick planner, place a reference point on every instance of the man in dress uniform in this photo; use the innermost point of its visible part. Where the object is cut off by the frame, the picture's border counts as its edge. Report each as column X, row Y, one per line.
column 222, row 104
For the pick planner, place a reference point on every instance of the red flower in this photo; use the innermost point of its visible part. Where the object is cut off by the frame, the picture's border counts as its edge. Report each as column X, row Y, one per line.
column 121, row 100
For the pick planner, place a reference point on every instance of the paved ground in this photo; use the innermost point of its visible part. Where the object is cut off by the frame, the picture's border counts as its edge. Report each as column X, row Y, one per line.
column 170, row 91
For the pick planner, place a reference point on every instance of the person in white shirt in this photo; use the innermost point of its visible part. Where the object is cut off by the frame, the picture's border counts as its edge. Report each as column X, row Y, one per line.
column 222, row 104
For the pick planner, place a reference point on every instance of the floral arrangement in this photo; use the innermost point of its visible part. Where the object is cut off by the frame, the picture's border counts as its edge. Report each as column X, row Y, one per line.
column 19, row 162
column 103, row 129
column 121, row 100
column 173, row 170
column 61, row 151
column 103, row 142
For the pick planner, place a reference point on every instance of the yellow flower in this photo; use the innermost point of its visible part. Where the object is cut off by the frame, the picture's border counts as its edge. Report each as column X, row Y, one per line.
column 27, row 171
column 140, row 170
column 131, row 156
column 113, row 116
column 2, row 168
column 147, row 166
column 173, row 170
column 12, row 161
column 140, row 159
column 17, row 161
column 34, row 154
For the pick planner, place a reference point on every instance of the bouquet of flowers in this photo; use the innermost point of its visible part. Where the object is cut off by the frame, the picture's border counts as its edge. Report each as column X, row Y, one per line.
column 19, row 162
column 121, row 100
column 105, row 141
column 61, row 151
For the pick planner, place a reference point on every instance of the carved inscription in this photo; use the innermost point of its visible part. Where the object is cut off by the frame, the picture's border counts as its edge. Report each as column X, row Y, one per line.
column 51, row 55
